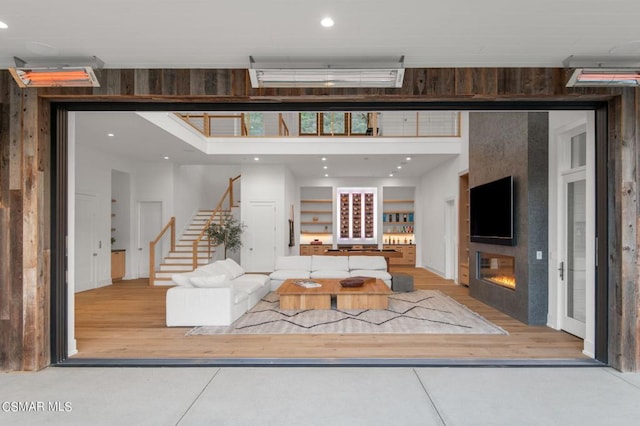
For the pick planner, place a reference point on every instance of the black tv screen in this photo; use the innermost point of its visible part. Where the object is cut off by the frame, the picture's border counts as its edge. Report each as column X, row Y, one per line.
column 491, row 212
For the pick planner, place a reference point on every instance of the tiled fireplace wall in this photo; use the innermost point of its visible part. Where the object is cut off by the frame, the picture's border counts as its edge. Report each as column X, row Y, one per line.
column 514, row 144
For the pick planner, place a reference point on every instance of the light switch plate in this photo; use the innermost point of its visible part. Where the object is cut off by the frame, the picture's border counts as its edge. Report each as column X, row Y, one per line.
column 538, row 255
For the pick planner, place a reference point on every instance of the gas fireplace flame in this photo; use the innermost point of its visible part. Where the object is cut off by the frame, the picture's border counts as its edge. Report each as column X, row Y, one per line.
column 503, row 280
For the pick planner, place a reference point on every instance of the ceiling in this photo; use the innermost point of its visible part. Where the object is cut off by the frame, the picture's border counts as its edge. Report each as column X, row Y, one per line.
column 139, row 140
column 223, row 34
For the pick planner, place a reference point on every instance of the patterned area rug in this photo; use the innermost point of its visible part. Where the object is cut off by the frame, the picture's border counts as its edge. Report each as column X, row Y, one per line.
column 417, row 312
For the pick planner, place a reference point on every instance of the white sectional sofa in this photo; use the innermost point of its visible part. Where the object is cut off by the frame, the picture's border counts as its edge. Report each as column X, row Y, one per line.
column 328, row 267
column 215, row 294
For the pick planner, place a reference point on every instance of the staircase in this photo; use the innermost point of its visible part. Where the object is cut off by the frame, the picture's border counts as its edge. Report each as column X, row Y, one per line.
column 181, row 259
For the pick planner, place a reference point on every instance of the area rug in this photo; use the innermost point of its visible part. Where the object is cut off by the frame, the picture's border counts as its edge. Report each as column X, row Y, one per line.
column 416, row 312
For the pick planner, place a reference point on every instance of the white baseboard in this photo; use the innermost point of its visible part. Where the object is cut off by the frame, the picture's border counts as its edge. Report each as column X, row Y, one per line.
column 73, row 347
column 435, row 271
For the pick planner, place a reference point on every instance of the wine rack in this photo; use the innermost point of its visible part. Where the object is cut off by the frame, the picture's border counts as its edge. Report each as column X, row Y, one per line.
column 368, row 215
column 357, row 215
column 344, row 215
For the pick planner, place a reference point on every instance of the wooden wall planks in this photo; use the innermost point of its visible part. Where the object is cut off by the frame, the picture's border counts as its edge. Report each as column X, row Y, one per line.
column 25, row 162
column 628, row 294
column 428, row 84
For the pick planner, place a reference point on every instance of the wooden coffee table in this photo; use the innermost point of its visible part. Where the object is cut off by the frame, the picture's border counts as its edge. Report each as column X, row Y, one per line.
column 372, row 295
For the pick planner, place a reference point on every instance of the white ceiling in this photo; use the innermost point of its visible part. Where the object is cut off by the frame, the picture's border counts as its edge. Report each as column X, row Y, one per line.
column 222, row 34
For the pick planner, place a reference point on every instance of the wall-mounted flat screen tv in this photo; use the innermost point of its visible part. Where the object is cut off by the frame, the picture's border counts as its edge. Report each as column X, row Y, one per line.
column 491, row 212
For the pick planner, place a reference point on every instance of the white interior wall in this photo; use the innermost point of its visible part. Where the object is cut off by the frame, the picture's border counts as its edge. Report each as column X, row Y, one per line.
column 265, row 183
column 181, row 189
column 436, row 187
column 199, row 187
column 149, row 182
column 93, row 176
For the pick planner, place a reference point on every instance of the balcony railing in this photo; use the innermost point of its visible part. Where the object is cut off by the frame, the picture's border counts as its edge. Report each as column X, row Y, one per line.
column 389, row 124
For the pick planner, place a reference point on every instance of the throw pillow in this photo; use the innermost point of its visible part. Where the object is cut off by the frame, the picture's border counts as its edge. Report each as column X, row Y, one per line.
column 184, row 279
column 235, row 269
column 219, row 267
column 209, row 281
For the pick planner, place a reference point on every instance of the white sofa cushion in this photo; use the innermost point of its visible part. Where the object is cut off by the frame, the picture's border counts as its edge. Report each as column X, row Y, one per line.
column 257, row 278
column 330, row 274
column 383, row 275
column 329, row 263
column 367, row 262
column 295, row 263
column 257, row 285
column 184, row 279
column 188, row 307
column 289, row 273
column 246, row 286
column 210, row 281
column 235, row 269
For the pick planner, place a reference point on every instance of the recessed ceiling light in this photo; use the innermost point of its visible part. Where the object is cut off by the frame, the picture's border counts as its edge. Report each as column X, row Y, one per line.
column 408, row 158
column 327, row 22
column 390, row 174
column 256, row 159
column 110, row 135
column 399, row 167
column 324, row 158
column 3, row 26
column 325, row 167
column 326, row 175
column 165, row 157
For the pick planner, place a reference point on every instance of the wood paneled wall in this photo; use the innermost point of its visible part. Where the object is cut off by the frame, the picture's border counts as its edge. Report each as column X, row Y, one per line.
column 624, row 219
column 25, row 164
column 25, row 233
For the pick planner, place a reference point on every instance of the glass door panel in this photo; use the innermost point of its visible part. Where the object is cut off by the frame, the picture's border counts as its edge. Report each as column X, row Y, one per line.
column 576, row 251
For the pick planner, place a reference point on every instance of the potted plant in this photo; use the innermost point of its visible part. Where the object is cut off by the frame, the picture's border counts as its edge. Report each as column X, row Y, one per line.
column 228, row 232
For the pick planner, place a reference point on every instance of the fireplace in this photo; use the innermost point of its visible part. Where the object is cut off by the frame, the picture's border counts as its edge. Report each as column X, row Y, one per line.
column 497, row 269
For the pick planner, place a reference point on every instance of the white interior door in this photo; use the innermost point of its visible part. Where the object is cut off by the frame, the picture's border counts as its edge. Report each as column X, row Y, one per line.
column 86, row 243
column 576, row 235
column 260, row 236
column 573, row 267
column 149, row 226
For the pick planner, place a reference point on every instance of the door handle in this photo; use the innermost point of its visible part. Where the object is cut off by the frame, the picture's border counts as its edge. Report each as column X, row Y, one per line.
column 561, row 269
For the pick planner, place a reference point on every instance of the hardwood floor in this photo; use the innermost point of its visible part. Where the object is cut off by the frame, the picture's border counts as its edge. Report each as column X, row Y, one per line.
column 127, row 320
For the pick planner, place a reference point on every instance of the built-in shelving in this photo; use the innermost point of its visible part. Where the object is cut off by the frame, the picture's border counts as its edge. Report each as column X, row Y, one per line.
column 464, row 230
column 113, row 215
column 316, row 215
column 398, row 218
